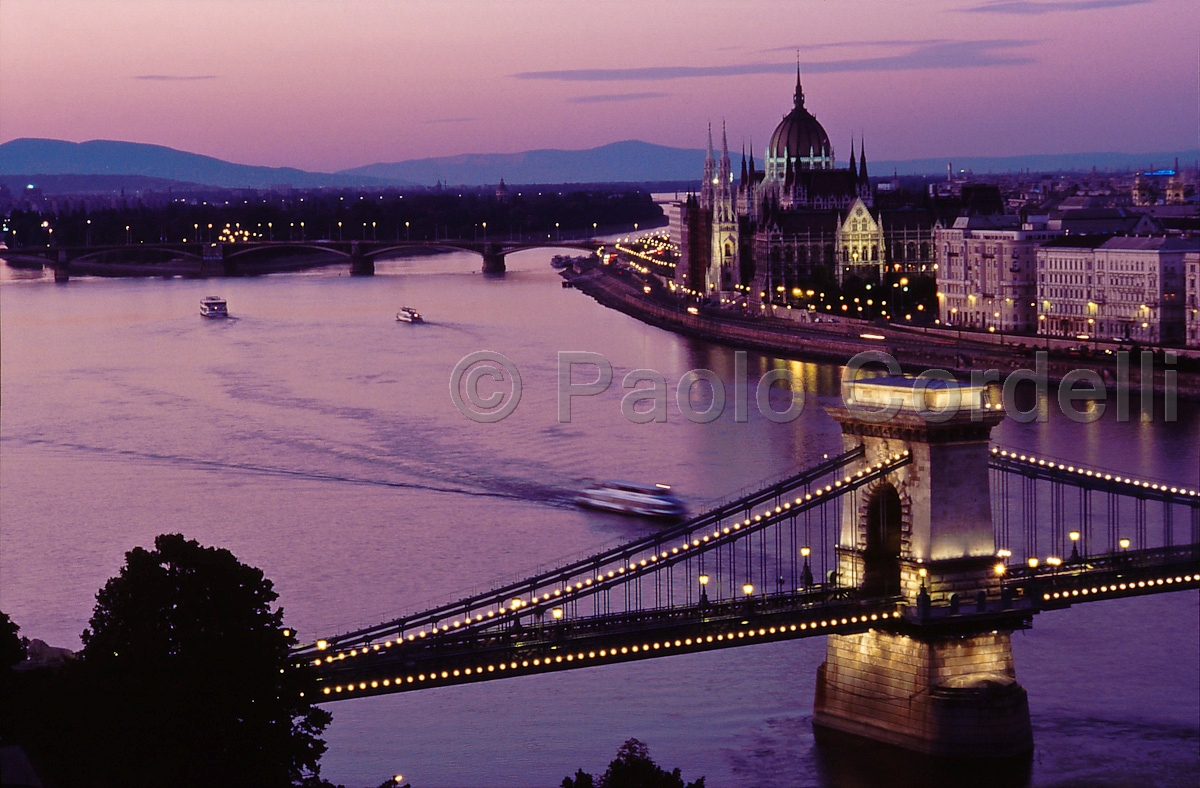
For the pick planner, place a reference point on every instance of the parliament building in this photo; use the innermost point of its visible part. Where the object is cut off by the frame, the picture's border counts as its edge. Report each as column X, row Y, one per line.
column 799, row 221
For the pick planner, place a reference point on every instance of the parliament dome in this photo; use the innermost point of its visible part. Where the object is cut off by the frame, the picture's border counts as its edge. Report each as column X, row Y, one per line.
column 799, row 134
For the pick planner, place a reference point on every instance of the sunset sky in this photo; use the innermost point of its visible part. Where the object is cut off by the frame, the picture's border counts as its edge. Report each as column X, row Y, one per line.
column 330, row 85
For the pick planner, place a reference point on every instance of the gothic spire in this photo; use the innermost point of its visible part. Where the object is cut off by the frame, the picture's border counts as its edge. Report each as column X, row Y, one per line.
column 711, row 153
column 799, row 97
column 751, row 158
column 743, row 163
column 853, row 171
column 862, row 161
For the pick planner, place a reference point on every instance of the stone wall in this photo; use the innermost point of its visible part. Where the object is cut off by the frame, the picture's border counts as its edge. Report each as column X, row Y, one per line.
column 946, row 696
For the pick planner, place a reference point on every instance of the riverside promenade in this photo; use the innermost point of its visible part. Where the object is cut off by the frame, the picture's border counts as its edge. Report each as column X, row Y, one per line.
column 916, row 349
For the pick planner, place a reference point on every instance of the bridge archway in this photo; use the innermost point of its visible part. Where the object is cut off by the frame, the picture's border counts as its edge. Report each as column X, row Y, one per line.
column 883, row 542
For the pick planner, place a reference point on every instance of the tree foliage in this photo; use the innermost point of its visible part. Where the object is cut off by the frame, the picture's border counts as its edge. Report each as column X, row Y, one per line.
column 190, row 663
column 632, row 768
column 12, row 650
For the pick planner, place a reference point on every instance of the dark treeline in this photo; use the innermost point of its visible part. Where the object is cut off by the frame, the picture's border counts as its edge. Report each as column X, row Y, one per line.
column 348, row 215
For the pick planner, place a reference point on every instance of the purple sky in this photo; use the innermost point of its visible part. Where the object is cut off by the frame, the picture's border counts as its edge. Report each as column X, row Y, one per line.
column 329, row 85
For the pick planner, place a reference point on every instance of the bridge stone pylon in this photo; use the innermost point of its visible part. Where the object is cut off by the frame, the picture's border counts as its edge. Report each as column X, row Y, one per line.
column 940, row 686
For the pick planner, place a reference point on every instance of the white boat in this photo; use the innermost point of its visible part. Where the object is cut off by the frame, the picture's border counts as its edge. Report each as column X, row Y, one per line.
column 409, row 315
column 650, row 500
column 214, row 306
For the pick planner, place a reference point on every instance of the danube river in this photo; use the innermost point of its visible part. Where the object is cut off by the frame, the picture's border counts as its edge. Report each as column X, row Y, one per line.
column 315, row 437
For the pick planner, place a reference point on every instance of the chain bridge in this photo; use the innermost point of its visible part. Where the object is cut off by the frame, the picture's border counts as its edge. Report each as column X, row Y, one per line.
column 916, row 551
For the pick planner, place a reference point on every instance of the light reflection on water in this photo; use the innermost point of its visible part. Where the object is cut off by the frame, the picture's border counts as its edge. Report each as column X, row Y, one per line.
column 314, row 436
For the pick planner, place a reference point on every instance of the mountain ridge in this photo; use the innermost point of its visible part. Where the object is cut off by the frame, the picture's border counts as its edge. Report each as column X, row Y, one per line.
column 628, row 161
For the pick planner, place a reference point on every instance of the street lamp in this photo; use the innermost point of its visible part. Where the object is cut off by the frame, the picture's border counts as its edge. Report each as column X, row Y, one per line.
column 1124, row 544
column 407, row 238
column 557, row 613
column 339, row 231
column 1074, row 545
column 806, row 575
column 485, row 232
column 703, row 592
column 748, row 589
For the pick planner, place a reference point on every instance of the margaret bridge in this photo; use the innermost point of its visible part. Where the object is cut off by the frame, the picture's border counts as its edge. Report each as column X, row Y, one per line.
column 234, row 259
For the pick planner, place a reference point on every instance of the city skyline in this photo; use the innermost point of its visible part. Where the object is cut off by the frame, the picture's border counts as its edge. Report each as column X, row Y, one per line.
column 324, row 88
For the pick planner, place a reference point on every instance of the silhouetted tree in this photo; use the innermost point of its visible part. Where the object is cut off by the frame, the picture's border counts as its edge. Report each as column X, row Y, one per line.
column 12, row 650
column 632, row 768
column 191, row 663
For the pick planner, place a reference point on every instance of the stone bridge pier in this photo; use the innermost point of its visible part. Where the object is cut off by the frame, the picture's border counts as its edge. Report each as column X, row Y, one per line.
column 360, row 263
column 937, row 685
column 62, row 268
column 493, row 258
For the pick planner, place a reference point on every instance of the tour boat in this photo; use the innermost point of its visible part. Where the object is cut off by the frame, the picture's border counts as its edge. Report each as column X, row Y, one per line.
column 214, row 306
column 409, row 315
column 651, row 500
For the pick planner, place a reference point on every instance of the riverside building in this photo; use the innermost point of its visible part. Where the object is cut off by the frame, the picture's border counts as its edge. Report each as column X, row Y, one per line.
column 986, row 272
column 765, row 234
column 1128, row 288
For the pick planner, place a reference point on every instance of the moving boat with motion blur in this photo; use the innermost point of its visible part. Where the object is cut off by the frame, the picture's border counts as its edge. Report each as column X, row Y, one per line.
column 409, row 315
column 648, row 500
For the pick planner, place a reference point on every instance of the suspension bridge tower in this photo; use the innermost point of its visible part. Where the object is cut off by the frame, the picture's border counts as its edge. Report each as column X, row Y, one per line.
column 940, row 680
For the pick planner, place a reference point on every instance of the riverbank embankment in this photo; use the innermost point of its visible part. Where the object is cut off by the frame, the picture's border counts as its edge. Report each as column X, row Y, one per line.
column 915, row 349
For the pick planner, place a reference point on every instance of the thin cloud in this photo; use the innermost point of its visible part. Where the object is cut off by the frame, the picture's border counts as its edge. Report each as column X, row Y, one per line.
column 882, row 43
column 1039, row 7
column 605, row 97
column 175, row 77
column 925, row 56
column 449, row 120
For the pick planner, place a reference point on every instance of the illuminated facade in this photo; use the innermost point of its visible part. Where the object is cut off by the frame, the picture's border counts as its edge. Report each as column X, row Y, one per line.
column 1115, row 288
column 798, row 217
column 1191, row 306
column 986, row 272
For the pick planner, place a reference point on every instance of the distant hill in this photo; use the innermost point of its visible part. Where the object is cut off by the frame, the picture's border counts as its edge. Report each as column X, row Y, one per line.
column 1049, row 162
column 631, row 161
column 28, row 156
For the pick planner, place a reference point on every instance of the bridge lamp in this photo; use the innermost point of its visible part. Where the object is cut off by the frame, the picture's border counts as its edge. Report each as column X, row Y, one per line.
column 516, row 603
column 1004, row 553
column 557, row 613
column 1054, row 561
column 1074, row 545
column 748, row 589
column 703, row 580
column 322, row 645
column 399, row 778
column 1124, row 544
column 1033, row 563
column 1000, row 569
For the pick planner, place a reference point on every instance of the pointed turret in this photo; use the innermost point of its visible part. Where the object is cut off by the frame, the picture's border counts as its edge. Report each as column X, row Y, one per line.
column 853, row 170
column 862, row 161
column 710, row 174
column 799, row 97
column 743, row 181
column 751, row 158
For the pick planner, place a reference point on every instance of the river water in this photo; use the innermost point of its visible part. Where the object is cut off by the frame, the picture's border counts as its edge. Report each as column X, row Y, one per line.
column 315, row 437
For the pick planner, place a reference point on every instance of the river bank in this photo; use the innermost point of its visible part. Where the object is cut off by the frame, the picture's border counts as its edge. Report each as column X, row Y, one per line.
column 915, row 349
